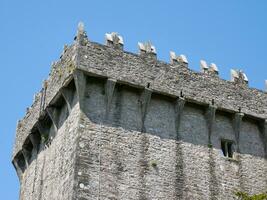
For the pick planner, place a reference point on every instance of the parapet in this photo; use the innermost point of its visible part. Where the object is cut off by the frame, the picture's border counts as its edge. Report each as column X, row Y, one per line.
column 141, row 70
column 238, row 76
column 178, row 59
column 115, row 40
column 212, row 69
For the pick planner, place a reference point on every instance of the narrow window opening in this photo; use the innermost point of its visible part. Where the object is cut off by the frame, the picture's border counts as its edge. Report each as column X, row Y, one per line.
column 227, row 148
column 223, row 148
column 230, row 149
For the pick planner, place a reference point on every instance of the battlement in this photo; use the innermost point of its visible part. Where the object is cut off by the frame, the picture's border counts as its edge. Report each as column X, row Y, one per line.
column 111, row 61
column 86, row 63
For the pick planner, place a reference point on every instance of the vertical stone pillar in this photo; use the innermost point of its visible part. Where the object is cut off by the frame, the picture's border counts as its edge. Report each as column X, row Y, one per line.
column 213, row 179
column 109, row 90
column 80, row 84
column 179, row 107
column 210, row 118
column 144, row 143
column 145, row 100
column 264, row 136
column 179, row 155
column 237, row 122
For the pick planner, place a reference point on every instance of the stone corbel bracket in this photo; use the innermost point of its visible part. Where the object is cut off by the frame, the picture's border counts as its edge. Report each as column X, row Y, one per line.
column 237, row 123
column 109, row 91
column 210, row 119
column 144, row 103
column 179, row 108
column 68, row 97
column 80, row 84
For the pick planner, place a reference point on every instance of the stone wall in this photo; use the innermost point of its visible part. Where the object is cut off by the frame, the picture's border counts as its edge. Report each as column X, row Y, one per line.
column 171, row 79
column 123, row 126
column 50, row 174
column 117, row 160
column 140, row 70
column 60, row 73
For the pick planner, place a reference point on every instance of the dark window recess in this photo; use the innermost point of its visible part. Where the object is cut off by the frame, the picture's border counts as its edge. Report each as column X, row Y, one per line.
column 227, row 148
column 21, row 162
column 27, row 150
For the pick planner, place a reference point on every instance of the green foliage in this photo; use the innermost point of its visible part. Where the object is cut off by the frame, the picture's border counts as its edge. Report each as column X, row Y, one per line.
column 153, row 163
column 44, row 138
column 210, row 146
column 71, row 68
column 246, row 196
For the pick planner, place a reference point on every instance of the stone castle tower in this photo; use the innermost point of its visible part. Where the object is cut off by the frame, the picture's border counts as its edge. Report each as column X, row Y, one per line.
column 110, row 124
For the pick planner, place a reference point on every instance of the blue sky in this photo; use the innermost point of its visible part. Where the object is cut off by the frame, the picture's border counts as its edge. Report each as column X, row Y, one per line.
column 230, row 33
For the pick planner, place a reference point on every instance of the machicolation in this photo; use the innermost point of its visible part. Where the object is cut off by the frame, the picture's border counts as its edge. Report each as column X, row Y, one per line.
column 110, row 124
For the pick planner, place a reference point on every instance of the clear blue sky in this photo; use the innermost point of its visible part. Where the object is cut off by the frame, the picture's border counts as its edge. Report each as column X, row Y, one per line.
column 230, row 33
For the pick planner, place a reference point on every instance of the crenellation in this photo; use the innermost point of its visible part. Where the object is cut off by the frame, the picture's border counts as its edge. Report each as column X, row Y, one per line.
column 112, row 124
column 212, row 69
column 180, row 60
column 147, row 50
column 239, row 77
column 81, row 36
column 151, row 71
column 204, row 66
column 114, row 40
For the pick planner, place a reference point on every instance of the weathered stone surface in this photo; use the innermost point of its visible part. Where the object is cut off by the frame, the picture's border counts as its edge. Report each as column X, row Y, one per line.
column 114, row 125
